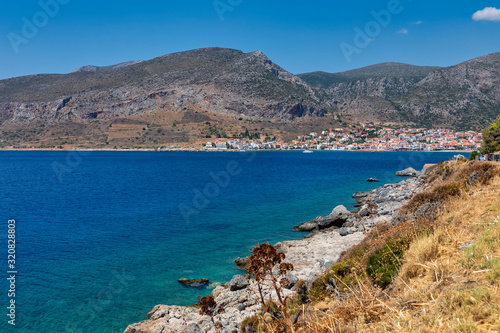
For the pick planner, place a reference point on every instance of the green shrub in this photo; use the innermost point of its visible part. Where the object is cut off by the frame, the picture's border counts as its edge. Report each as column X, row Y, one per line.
column 341, row 270
column 339, row 277
column 490, row 143
column 384, row 264
column 473, row 155
column 318, row 289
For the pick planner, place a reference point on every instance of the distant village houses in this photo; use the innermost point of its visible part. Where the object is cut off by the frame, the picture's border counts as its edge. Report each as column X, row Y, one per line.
column 369, row 138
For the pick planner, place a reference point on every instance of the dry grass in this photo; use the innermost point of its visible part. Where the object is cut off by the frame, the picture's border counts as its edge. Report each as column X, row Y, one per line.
column 422, row 250
column 449, row 278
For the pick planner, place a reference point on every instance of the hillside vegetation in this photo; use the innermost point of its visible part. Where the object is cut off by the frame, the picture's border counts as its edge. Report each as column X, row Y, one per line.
column 436, row 270
column 491, row 138
column 385, row 70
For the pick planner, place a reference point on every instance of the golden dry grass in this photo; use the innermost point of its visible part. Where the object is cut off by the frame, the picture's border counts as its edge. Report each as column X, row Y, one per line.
column 449, row 279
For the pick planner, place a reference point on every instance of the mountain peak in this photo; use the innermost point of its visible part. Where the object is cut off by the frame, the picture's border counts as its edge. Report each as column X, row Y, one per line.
column 258, row 53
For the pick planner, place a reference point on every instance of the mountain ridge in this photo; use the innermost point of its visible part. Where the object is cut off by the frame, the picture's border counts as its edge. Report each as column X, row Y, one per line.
column 232, row 85
column 386, row 69
column 466, row 95
column 92, row 68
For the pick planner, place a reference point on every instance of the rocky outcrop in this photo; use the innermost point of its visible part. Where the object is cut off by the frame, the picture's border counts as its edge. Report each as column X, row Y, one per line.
column 381, row 204
column 307, row 226
column 337, row 217
column 359, row 194
column 238, row 282
column 241, row 262
column 408, row 172
column 310, row 257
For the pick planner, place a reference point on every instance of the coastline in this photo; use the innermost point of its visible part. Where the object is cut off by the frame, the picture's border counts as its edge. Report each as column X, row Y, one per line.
column 199, row 150
column 311, row 256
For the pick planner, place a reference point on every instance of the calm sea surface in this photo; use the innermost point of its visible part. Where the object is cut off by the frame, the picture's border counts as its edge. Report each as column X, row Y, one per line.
column 102, row 238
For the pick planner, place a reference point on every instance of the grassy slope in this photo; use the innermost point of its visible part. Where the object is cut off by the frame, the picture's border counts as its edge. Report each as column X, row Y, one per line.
column 439, row 272
column 437, row 287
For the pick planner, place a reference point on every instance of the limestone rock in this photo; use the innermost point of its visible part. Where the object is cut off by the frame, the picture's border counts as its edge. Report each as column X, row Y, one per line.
column 241, row 262
column 408, row 172
column 364, row 211
column 360, row 194
column 307, row 226
column 238, row 282
column 292, row 280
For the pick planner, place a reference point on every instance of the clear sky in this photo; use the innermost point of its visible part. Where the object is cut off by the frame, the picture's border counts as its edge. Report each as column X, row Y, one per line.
column 301, row 36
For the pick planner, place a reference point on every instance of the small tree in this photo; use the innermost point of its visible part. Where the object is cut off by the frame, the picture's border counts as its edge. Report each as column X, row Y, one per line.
column 261, row 266
column 473, row 155
column 491, row 138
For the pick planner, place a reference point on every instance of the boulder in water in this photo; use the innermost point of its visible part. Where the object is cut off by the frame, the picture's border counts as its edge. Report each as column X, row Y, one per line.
column 195, row 283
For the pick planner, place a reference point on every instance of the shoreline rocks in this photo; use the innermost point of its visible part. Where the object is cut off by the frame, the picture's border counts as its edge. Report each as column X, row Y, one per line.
column 360, row 194
column 408, row 172
column 241, row 262
column 311, row 256
column 336, row 218
column 238, row 282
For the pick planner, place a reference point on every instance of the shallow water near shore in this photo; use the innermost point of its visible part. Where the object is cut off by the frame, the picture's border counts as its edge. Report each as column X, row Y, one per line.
column 104, row 237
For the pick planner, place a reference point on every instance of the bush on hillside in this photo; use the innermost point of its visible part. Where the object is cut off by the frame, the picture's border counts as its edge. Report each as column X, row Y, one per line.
column 439, row 194
column 384, row 264
column 473, row 155
column 491, row 138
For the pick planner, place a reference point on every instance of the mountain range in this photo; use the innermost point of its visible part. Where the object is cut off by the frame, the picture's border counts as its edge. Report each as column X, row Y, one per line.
column 206, row 93
column 464, row 96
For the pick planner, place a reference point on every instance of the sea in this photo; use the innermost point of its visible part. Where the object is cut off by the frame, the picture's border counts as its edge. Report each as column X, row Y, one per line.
column 103, row 237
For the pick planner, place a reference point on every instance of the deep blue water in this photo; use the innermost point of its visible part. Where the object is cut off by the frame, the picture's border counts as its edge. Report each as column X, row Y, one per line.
column 102, row 238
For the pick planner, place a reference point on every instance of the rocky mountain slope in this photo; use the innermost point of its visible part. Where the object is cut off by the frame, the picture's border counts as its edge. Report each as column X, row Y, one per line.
column 218, row 80
column 228, row 86
column 463, row 96
column 384, row 70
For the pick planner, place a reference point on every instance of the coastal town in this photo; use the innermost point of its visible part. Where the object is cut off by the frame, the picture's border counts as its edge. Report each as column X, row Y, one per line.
column 369, row 138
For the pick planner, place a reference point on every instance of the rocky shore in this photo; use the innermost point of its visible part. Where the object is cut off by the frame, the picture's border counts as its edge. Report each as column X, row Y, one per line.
column 329, row 236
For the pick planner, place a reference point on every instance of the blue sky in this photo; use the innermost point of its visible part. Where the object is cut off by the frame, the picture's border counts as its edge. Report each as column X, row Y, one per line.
column 300, row 36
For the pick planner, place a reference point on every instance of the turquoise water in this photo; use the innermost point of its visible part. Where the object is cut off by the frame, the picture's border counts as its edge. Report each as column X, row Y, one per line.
column 102, row 238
